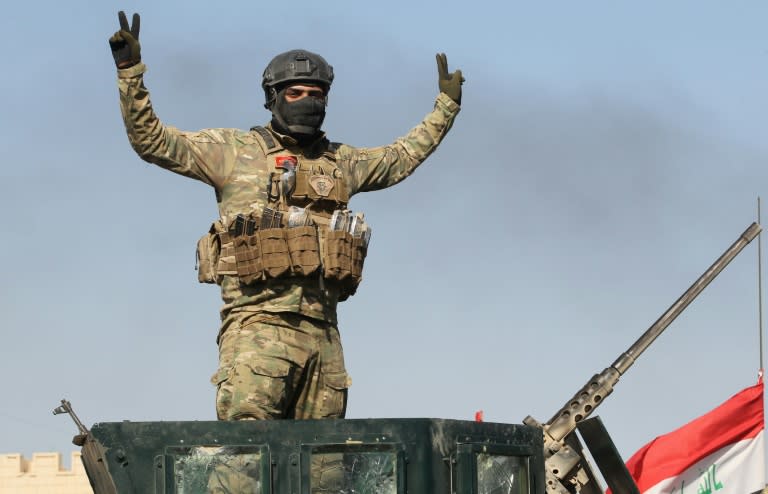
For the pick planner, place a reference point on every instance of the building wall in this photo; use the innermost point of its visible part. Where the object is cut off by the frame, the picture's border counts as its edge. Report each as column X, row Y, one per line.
column 43, row 474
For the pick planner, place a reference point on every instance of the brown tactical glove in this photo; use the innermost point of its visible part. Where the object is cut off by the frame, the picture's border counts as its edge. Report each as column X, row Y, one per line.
column 125, row 46
column 450, row 83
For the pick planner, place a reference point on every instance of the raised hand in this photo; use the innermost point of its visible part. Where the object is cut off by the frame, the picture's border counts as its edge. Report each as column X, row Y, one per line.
column 125, row 46
column 449, row 82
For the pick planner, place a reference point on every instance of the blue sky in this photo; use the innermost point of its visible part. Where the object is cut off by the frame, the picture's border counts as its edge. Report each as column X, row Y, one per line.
column 606, row 154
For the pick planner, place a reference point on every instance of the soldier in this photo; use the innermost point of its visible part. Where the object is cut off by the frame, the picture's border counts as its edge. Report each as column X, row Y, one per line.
column 285, row 249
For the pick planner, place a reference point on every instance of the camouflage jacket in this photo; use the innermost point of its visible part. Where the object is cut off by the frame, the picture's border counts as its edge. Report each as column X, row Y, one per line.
column 212, row 156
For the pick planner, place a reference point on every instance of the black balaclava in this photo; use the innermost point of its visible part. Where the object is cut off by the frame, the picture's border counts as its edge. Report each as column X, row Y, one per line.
column 300, row 119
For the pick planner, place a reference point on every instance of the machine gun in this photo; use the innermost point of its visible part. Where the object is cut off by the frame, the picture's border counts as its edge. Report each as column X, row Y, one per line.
column 567, row 470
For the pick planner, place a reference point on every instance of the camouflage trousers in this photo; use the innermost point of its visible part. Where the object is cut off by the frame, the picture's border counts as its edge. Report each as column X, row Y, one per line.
column 279, row 366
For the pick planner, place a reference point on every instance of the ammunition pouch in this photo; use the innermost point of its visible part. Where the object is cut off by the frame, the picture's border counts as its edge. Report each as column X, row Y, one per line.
column 304, row 249
column 281, row 252
column 215, row 255
column 359, row 251
column 248, row 258
column 343, row 259
column 207, row 256
column 337, row 255
column 262, row 255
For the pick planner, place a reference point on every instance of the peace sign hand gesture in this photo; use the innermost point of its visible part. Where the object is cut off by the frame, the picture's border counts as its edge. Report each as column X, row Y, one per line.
column 125, row 46
column 450, row 83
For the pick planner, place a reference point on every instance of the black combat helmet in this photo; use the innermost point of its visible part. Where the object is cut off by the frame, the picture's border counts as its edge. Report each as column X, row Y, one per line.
column 295, row 66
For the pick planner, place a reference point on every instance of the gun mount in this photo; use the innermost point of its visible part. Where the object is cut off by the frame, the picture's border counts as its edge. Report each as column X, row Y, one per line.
column 566, row 469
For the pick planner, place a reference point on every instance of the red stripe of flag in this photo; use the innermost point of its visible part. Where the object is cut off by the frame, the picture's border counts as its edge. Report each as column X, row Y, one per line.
column 739, row 418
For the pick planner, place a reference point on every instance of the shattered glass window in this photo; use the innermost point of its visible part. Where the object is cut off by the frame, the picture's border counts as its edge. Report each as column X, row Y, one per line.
column 218, row 470
column 498, row 474
column 365, row 472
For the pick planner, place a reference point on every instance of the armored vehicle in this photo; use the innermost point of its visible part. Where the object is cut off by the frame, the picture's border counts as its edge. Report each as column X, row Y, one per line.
column 379, row 456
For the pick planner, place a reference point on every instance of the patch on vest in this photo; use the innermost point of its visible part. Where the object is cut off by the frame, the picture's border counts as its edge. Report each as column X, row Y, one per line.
column 322, row 184
column 286, row 162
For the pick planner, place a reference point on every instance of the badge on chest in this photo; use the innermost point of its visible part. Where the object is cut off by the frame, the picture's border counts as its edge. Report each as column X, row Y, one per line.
column 321, row 184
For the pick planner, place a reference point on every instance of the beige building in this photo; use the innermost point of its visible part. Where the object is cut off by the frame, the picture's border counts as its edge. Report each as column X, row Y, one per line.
column 43, row 474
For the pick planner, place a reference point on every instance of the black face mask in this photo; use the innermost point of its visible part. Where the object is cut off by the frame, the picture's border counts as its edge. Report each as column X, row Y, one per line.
column 301, row 118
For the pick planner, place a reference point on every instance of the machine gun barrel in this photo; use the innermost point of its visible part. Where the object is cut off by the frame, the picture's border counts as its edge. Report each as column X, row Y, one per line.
column 600, row 385
column 561, row 460
column 628, row 358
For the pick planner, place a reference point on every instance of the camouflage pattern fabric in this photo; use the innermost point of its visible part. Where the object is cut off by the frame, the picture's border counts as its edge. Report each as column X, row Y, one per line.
column 280, row 366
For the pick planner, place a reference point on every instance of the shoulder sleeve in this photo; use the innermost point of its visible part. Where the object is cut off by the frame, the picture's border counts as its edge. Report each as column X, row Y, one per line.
column 380, row 167
column 206, row 155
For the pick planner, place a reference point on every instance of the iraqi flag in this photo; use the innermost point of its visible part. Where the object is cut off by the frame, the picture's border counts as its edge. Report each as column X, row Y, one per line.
column 722, row 452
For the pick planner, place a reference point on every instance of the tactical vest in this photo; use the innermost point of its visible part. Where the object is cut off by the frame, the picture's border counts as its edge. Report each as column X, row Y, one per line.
column 305, row 230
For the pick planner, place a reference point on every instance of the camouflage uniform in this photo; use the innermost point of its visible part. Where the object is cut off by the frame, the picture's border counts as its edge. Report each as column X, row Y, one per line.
column 280, row 353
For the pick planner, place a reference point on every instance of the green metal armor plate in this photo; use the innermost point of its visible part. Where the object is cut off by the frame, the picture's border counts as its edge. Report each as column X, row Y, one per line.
column 374, row 456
